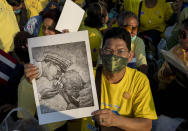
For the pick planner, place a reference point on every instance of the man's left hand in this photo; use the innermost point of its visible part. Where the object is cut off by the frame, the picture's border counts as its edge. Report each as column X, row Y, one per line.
column 105, row 117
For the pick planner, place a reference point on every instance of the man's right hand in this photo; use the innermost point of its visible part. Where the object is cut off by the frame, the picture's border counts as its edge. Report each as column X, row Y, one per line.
column 30, row 72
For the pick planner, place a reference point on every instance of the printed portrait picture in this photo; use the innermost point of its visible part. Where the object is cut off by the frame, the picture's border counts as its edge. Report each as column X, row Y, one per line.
column 65, row 79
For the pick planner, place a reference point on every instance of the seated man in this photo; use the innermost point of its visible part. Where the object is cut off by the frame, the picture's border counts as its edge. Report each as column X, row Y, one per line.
column 129, row 21
column 126, row 101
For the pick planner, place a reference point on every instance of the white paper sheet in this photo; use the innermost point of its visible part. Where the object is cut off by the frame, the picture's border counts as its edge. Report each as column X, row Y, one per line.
column 71, row 17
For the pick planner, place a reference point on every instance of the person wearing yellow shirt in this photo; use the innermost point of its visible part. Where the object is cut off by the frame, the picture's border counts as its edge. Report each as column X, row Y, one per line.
column 96, row 16
column 34, row 7
column 154, row 15
column 126, row 101
column 129, row 21
column 8, row 25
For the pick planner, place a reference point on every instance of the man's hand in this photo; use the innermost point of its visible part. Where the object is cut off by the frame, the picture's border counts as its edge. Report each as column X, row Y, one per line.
column 105, row 117
column 30, row 71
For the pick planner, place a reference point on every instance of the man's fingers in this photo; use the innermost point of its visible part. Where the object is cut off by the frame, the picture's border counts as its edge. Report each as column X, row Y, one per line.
column 102, row 111
column 28, row 66
column 32, row 77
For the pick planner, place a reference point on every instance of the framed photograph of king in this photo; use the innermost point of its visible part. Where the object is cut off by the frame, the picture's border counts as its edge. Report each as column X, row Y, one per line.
column 65, row 87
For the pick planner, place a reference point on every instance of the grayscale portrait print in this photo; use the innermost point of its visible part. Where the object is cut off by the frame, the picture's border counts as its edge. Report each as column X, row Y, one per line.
column 63, row 82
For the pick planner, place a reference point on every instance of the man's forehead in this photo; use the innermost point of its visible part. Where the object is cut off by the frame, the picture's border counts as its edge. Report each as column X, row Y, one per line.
column 115, row 43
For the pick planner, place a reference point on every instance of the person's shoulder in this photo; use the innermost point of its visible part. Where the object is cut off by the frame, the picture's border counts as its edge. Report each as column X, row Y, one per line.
column 135, row 75
column 139, row 41
column 92, row 31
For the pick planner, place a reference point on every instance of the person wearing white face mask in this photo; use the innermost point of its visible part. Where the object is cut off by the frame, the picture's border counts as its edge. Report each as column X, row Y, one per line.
column 129, row 21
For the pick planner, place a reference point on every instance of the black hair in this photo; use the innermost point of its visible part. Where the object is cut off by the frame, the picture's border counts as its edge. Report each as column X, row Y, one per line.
column 118, row 33
column 53, row 14
column 95, row 13
column 20, row 46
column 185, row 23
column 125, row 15
column 14, row 2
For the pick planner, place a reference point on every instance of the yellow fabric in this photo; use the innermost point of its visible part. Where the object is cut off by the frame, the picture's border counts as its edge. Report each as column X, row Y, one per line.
column 95, row 39
column 26, row 100
column 180, row 54
column 131, row 5
column 104, row 27
column 138, row 48
column 8, row 26
column 139, row 104
column 155, row 18
column 34, row 7
column 80, row 2
column 115, row 24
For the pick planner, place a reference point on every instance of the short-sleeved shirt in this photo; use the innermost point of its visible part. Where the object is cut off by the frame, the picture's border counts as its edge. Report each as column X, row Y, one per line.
column 8, row 26
column 131, row 5
column 138, row 48
column 155, row 18
column 34, row 7
column 95, row 39
column 131, row 97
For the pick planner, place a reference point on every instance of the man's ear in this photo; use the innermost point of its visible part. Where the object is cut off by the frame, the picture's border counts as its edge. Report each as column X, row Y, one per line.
column 131, row 54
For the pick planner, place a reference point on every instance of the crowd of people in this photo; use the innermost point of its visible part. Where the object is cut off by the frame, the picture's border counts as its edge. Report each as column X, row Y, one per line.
column 138, row 88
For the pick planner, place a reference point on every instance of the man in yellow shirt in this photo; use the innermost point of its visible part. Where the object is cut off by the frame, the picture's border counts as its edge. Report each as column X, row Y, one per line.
column 8, row 25
column 126, row 101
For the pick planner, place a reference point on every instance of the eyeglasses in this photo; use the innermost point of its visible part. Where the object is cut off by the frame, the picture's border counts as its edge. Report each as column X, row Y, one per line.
column 120, row 52
column 183, row 34
column 51, row 28
column 131, row 28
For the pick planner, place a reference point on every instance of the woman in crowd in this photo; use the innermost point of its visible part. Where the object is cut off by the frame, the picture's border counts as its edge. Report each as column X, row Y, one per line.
column 97, row 15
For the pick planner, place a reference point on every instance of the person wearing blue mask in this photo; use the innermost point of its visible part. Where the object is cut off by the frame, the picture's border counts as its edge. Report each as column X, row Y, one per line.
column 20, row 12
column 129, row 21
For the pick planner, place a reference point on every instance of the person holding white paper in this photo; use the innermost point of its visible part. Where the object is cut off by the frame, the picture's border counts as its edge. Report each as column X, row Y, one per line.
column 25, row 91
